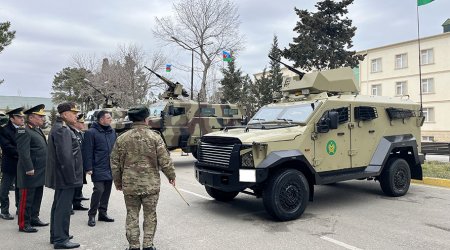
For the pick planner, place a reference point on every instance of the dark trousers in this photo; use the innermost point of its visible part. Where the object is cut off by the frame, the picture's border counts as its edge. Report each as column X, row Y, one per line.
column 76, row 201
column 29, row 205
column 60, row 215
column 7, row 180
column 100, row 198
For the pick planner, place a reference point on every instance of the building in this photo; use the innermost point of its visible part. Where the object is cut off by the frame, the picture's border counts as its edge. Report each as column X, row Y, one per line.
column 10, row 102
column 393, row 70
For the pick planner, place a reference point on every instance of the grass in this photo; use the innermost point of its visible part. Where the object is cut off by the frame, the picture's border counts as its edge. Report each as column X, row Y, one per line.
column 436, row 169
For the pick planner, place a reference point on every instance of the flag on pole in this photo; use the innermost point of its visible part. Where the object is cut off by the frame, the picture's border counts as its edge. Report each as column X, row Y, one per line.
column 423, row 2
column 227, row 56
column 168, row 67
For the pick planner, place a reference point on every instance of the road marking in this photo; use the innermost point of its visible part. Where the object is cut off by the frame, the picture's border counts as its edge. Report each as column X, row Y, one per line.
column 198, row 195
column 342, row 244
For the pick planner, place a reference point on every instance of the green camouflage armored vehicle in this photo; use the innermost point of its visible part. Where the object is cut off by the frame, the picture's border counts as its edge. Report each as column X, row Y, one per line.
column 182, row 122
column 321, row 131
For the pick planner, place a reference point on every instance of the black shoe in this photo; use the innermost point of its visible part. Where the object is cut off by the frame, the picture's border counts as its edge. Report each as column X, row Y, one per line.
column 38, row 223
column 7, row 216
column 149, row 248
column 105, row 218
column 132, row 249
column 28, row 229
column 70, row 237
column 80, row 207
column 83, row 198
column 91, row 221
column 67, row 245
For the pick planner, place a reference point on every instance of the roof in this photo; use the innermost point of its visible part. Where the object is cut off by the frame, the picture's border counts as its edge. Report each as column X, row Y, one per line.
column 22, row 101
column 446, row 22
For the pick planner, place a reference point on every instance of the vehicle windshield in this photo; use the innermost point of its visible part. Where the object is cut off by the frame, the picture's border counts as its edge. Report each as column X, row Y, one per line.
column 295, row 113
column 156, row 108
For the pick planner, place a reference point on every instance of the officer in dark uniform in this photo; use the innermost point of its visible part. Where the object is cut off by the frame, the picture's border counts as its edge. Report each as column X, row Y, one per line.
column 77, row 129
column 64, row 174
column 9, row 160
column 32, row 149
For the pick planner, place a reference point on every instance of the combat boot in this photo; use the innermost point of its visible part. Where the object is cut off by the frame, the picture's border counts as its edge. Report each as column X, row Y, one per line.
column 91, row 221
column 149, row 248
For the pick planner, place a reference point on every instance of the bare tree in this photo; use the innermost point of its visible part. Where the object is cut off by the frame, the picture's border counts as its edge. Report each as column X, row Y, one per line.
column 204, row 26
column 122, row 75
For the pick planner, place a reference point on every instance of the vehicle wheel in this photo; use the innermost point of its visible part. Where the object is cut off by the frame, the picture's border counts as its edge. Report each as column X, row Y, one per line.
column 286, row 195
column 221, row 195
column 395, row 177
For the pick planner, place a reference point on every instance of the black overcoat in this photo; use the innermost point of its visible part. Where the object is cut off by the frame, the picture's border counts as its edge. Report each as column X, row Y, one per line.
column 9, row 148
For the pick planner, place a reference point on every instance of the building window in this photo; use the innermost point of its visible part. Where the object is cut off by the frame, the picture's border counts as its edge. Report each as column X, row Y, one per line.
column 429, row 114
column 427, row 85
column 427, row 56
column 376, row 65
column 427, row 138
column 376, row 89
column 401, row 61
column 401, row 88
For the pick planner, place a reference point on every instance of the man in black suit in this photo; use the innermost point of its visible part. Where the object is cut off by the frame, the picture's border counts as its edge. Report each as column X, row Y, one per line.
column 9, row 160
column 77, row 129
column 64, row 174
column 32, row 150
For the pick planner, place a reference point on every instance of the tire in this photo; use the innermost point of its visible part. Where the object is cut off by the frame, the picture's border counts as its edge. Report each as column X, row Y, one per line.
column 286, row 195
column 221, row 195
column 395, row 177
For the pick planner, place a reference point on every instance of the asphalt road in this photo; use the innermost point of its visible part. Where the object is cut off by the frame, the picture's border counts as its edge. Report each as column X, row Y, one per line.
column 347, row 215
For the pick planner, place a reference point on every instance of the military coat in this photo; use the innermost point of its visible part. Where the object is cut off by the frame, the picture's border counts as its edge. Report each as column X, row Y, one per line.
column 9, row 148
column 32, row 150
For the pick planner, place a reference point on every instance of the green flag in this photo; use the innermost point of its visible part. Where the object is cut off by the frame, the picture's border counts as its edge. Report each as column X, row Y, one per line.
column 423, row 2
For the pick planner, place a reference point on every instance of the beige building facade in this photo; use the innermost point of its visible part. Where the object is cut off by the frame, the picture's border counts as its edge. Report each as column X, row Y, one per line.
column 393, row 70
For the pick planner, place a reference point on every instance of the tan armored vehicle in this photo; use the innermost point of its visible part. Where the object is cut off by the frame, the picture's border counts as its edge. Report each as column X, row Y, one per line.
column 120, row 121
column 320, row 132
column 182, row 122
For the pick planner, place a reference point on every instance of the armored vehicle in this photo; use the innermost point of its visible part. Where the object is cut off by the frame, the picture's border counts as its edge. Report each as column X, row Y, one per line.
column 321, row 131
column 182, row 122
column 120, row 123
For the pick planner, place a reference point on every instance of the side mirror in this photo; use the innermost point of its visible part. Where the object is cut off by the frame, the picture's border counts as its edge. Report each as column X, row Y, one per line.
column 329, row 120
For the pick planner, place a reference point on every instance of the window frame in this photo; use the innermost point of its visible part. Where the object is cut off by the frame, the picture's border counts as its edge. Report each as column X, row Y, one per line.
column 375, row 87
column 403, row 86
column 403, row 61
column 428, row 113
column 376, row 62
column 429, row 56
column 428, row 85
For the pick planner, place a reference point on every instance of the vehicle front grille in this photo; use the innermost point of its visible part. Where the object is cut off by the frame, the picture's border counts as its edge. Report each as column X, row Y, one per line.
column 214, row 154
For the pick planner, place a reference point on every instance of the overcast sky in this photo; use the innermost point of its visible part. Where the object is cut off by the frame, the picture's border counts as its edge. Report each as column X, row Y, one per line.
column 50, row 32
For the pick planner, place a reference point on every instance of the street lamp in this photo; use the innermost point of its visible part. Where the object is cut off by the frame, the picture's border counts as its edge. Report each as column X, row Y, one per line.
column 187, row 47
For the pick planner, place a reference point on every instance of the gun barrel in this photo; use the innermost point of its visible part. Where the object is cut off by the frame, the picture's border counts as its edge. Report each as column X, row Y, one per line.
column 167, row 81
column 301, row 74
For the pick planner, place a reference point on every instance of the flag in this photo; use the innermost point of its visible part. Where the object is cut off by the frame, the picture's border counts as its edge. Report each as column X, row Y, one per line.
column 227, row 56
column 168, row 67
column 423, row 2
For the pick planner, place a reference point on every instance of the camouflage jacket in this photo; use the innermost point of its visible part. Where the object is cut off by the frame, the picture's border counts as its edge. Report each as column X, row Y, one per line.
column 136, row 159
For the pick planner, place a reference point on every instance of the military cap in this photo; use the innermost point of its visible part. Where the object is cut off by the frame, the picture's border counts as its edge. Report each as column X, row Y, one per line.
column 38, row 110
column 67, row 106
column 17, row 112
column 80, row 118
column 137, row 114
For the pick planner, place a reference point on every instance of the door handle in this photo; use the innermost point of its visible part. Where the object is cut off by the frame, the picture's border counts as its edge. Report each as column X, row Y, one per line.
column 340, row 133
column 371, row 131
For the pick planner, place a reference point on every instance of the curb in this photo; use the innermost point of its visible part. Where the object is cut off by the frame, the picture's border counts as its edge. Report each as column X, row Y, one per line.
column 433, row 182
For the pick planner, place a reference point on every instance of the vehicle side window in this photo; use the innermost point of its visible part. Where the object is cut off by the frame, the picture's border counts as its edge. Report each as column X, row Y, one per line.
column 176, row 111
column 230, row 112
column 365, row 113
column 332, row 118
column 207, row 111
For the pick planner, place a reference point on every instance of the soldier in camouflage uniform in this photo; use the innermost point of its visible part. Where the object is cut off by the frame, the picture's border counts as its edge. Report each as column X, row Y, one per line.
column 136, row 159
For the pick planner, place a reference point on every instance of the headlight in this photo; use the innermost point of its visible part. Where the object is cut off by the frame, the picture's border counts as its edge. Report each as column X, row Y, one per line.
column 247, row 160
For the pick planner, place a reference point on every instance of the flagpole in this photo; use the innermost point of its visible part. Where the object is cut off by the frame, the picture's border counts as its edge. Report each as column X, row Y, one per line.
column 420, row 60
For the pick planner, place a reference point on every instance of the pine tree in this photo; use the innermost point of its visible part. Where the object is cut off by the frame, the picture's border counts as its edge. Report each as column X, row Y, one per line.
column 231, row 83
column 248, row 97
column 52, row 116
column 263, row 90
column 276, row 77
column 324, row 38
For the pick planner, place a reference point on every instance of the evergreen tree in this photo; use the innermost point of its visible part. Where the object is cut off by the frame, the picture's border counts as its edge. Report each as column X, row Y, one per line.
column 263, row 90
column 323, row 38
column 68, row 85
column 276, row 77
column 248, row 97
column 6, row 37
column 231, row 83
column 52, row 116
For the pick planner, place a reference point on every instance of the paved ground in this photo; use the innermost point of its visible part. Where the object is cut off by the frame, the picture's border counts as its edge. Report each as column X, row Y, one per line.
column 348, row 215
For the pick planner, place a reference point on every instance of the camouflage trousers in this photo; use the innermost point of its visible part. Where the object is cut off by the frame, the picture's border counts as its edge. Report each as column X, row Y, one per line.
column 133, row 204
